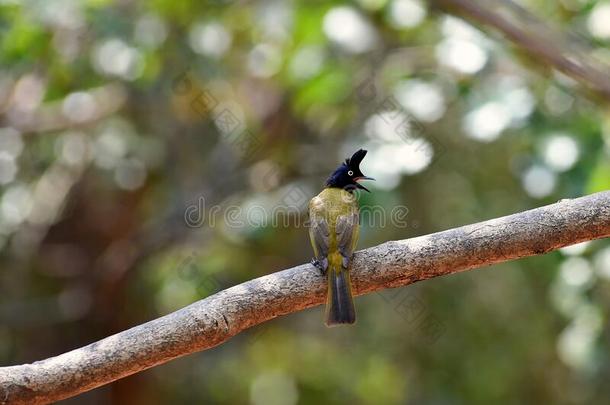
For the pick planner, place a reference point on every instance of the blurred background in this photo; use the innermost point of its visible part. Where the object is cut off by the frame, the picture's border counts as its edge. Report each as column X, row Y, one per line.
column 128, row 129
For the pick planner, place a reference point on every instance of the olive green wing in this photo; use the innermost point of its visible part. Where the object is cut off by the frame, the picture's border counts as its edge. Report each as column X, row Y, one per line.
column 348, row 231
column 319, row 232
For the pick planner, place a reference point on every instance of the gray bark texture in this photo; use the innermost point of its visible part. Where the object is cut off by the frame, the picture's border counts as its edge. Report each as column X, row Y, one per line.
column 213, row 320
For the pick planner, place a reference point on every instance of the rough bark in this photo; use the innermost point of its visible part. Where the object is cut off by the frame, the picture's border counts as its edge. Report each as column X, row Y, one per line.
column 214, row 320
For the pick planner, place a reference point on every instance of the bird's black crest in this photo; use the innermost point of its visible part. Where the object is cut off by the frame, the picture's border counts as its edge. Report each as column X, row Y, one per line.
column 354, row 161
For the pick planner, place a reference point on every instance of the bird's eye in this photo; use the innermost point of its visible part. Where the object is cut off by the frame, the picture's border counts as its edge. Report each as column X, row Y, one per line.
column 350, row 173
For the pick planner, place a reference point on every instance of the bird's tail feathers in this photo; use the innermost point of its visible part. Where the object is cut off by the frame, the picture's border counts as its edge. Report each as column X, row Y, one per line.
column 339, row 302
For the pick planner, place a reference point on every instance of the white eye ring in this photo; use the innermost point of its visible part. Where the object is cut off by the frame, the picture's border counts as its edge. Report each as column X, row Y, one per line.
column 350, row 173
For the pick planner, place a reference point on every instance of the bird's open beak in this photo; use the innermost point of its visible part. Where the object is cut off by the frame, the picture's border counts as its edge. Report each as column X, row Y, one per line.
column 363, row 178
column 360, row 186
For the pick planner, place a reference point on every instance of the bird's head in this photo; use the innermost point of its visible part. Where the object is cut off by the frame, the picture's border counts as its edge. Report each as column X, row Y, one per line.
column 348, row 174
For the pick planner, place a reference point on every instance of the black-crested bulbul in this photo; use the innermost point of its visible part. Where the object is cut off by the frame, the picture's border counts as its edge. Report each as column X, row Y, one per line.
column 334, row 231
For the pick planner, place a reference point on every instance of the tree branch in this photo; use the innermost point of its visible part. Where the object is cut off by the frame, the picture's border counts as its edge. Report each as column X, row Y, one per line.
column 214, row 320
column 535, row 37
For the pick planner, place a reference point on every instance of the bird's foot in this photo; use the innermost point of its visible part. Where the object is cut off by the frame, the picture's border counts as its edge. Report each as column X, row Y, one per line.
column 318, row 265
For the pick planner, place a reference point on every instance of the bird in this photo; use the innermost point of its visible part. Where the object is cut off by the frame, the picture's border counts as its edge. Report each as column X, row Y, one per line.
column 333, row 231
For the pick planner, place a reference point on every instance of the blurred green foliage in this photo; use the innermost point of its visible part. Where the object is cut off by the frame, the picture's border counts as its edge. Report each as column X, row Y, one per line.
column 106, row 144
